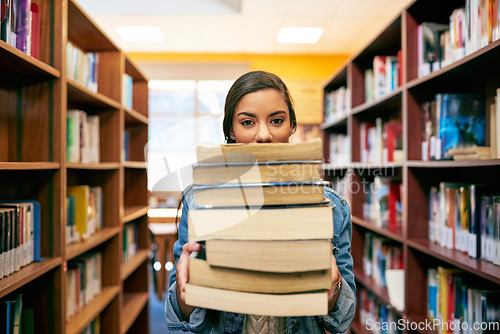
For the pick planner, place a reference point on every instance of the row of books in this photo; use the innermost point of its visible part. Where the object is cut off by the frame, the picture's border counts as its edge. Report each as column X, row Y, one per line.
column 337, row 104
column 127, row 90
column 19, row 235
column 83, row 283
column 82, row 137
column 385, row 77
column 470, row 28
column 380, row 254
column 375, row 316
column 81, row 66
column 130, row 239
column 458, row 301
column 268, row 251
column 340, row 149
column 381, row 142
column 382, row 203
column 450, row 122
column 14, row 318
column 84, row 212
column 466, row 217
column 94, row 327
column 20, row 26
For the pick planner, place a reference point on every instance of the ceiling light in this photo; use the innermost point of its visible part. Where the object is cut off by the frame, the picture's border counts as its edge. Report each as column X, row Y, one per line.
column 140, row 33
column 294, row 35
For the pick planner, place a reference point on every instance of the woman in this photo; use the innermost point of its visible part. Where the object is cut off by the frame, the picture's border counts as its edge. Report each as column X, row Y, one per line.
column 259, row 109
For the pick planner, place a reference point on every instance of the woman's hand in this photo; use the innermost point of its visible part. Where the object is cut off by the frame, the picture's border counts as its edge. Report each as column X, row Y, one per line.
column 183, row 277
column 332, row 299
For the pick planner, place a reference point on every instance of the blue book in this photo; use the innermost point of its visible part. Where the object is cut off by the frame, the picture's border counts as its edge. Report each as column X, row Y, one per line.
column 5, row 316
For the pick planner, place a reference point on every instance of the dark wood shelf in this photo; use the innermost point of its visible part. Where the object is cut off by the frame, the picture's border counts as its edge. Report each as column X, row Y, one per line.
column 370, row 285
column 480, row 268
column 84, row 97
column 340, row 124
column 389, row 101
column 27, row 274
column 99, row 166
column 134, row 164
column 135, row 117
column 337, row 79
column 132, row 264
column 97, row 239
column 77, row 323
column 396, row 235
column 134, row 212
column 452, row 164
column 16, row 63
column 133, row 303
column 29, row 165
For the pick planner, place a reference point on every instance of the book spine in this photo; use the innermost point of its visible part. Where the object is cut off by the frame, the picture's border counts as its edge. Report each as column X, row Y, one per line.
column 22, row 24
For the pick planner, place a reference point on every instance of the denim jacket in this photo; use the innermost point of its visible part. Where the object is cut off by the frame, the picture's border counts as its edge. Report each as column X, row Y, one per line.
column 334, row 322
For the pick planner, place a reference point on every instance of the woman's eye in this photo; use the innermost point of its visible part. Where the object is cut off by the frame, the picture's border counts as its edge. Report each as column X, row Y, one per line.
column 247, row 122
column 277, row 121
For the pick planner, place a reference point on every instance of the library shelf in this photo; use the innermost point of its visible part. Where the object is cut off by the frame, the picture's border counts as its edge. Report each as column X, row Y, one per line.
column 340, row 123
column 98, row 166
column 77, row 323
column 16, row 63
column 457, row 68
column 73, row 250
column 133, row 303
column 134, row 164
column 420, row 319
column 132, row 264
column 369, row 284
column 358, row 328
column 29, row 165
column 27, row 274
column 480, row 268
column 82, row 96
column 336, row 166
column 389, row 101
column 394, row 234
column 452, row 164
column 133, row 212
column 135, row 117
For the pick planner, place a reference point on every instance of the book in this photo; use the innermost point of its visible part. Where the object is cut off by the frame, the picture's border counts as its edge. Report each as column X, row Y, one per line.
column 268, row 172
column 234, row 194
column 262, row 224
column 251, row 153
column 81, row 194
column 203, row 274
column 35, row 31
column 493, row 132
column 289, row 305
column 281, row 256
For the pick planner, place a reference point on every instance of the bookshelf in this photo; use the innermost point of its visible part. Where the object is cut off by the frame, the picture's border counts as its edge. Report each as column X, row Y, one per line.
column 35, row 95
column 475, row 73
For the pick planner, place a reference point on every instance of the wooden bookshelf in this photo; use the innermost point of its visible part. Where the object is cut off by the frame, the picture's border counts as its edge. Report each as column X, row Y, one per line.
column 476, row 73
column 35, row 95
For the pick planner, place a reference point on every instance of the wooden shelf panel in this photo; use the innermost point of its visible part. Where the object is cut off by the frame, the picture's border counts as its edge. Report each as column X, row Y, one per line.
column 390, row 101
column 77, row 323
column 27, row 274
column 132, row 264
column 370, row 285
column 338, row 124
column 369, row 225
column 99, row 166
column 134, row 212
column 29, row 165
column 480, row 268
column 134, row 117
column 100, row 237
column 134, row 71
column 134, row 164
column 84, row 97
column 133, row 303
column 337, row 79
column 451, row 164
column 84, row 31
column 16, row 63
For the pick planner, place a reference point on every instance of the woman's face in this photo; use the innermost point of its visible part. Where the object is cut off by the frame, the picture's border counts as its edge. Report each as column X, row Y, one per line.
column 261, row 117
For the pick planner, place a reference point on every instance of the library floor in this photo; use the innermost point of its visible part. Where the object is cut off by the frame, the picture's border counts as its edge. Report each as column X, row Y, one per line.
column 157, row 323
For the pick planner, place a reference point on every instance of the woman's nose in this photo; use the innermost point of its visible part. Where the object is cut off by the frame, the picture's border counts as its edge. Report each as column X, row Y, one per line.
column 263, row 135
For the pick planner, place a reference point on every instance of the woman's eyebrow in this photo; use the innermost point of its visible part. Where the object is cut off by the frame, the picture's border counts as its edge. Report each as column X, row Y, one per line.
column 277, row 113
column 246, row 113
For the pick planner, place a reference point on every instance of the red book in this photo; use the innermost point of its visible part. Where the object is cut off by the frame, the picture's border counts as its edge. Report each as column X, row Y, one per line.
column 35, row 31
column 393, row 129
column 393, row 203
column 451, row 300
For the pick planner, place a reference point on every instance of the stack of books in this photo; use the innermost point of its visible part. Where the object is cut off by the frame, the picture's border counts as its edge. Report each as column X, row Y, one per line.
column 266, row 230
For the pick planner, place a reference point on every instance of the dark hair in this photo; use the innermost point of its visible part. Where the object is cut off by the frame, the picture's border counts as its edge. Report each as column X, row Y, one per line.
column 248, row 83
